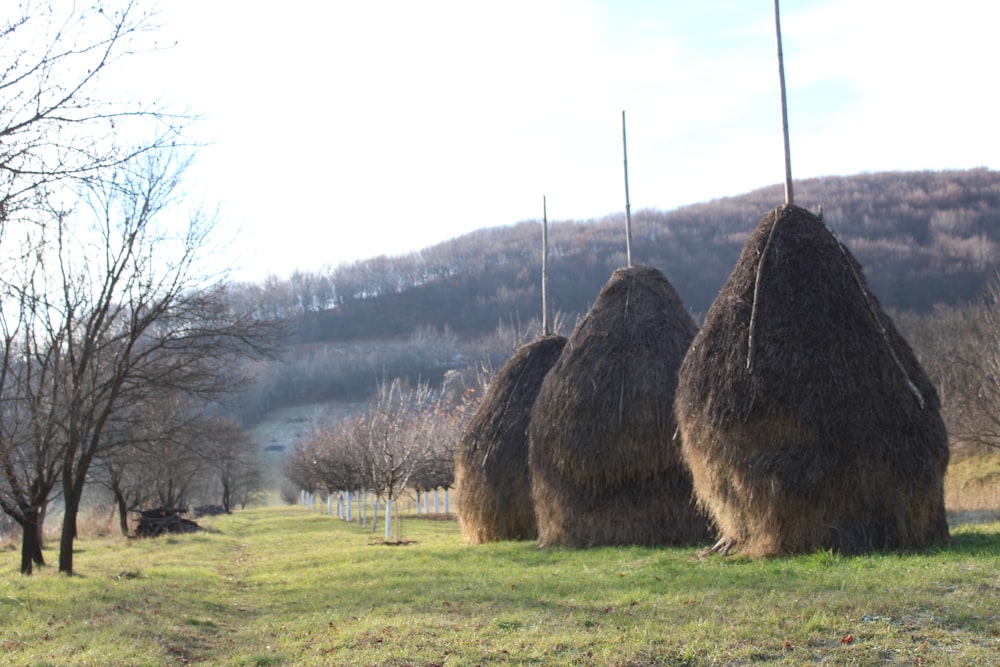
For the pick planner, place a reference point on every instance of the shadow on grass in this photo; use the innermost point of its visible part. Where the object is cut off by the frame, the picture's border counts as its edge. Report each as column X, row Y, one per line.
column 973, row 517
column 390, row 543
column 974, row 543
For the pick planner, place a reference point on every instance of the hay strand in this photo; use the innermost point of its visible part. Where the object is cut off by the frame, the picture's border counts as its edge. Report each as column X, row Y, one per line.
column 756, row 291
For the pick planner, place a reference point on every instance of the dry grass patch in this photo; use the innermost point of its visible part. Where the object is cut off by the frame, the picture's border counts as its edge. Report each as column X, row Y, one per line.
column 972, row 488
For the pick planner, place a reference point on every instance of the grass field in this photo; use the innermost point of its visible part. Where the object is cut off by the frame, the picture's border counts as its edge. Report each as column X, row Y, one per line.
column 286, row 586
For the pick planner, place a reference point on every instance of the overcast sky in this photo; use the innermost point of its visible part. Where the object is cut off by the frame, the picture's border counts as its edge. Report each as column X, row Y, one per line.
column 343, row 130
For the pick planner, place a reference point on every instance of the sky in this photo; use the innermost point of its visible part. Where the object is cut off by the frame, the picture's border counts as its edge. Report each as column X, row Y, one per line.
column 342, row 130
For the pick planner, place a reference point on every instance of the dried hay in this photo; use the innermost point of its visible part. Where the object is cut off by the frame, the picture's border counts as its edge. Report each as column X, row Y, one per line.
column 605, row 467
column 805, row 417
column 491, row 462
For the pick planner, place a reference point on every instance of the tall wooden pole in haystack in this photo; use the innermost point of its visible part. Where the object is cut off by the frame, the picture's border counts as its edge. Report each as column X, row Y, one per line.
column 546, row 329
column 789, row 197
column 628, row 205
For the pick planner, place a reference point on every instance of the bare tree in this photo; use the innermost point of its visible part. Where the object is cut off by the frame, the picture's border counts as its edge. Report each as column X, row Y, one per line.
column 341, row 459
column 957, row 345
column 379, row 450
column 441, row 424
column 168, row 452
column 405, row 439
column 125, row 310
column 968, row 338
column 64, row 131
column 58, row 118
column 125, row 476
column 32, row 434
column 148, row 321
column 301, row 465
column 231, row 469
column 395, row 448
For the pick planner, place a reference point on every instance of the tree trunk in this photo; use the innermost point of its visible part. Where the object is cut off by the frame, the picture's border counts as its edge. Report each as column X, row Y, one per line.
column 40, row 533
column 31, row 542
column 122, row 512
column 227, row 495
column 68, row 532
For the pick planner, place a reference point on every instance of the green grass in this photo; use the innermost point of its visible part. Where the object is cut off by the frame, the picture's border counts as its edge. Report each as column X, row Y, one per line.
column 283, row 586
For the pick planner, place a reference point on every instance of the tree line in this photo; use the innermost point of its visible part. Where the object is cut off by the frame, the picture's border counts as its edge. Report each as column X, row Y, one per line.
column 957, row 345
column 924, row 238
column 116, row 341
column 405, row 439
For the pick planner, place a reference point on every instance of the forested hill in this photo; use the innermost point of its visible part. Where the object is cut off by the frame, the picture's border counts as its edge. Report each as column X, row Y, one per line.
column 922, row 237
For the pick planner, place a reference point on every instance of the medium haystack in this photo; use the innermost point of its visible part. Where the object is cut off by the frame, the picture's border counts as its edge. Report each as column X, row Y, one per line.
column 605, row 466
column 491, row 463
column 806, row 419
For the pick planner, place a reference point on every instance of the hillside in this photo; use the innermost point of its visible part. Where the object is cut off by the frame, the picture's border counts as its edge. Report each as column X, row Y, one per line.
column 923, row 238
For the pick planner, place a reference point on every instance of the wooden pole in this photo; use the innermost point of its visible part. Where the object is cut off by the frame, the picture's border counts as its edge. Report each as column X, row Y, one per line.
column 546, row 329
column 789, row 196
column 628, row 205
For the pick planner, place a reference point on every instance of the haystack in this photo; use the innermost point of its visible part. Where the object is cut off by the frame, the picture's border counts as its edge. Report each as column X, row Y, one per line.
column 491, row 463
column 806, row 419
column 605, row 467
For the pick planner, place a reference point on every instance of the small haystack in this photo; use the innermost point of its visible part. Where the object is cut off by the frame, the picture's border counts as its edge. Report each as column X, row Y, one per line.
column 605, row 467
column 491, row 462
column 805, row 417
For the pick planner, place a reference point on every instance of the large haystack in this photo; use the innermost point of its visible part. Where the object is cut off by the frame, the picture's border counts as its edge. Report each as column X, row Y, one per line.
column 805, row 417
column 491, row 463
column 605, row 466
